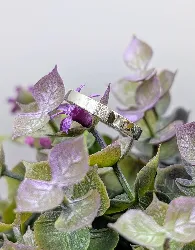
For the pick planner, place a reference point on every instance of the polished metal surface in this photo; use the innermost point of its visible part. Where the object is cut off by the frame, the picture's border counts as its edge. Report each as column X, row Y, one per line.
column 105, row 115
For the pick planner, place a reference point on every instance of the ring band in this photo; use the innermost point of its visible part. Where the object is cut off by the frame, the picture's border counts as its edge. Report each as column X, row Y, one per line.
column 105, row 115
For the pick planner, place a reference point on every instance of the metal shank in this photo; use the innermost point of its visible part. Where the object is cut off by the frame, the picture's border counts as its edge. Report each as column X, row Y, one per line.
column 107, row 116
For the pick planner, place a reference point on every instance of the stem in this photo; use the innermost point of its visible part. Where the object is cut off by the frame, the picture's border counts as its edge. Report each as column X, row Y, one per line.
column 155, row 112
column 13, row 175
column 149, row 127
column 53, row 126
column 115, row 167
column 98, row 138
column 123, row 181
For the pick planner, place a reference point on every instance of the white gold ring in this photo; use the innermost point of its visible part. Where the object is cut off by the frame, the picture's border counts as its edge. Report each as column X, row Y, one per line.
column 104, row 114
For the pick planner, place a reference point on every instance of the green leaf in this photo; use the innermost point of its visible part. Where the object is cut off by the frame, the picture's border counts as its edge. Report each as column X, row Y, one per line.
column 137, row 227
column 93, row 181
column 103, row 239
column 38, row 170
column 108, row 156
column 90, row 139
column 8, row 245
column 119, row 203
column 5, row 227
column 146, row 177
column 163, row 104
column 79, row 213
column 180, row 221
column 186, row 186
column 189, row 246
column 165, row 180
column 174, row 245
column 157, row 209
column 47, row 237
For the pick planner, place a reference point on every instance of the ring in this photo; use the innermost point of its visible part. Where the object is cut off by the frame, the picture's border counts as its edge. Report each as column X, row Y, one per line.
column 104, row 114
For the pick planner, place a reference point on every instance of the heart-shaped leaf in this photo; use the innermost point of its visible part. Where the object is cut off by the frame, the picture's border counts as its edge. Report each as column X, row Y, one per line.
column 38, row 196
column 137, row 227
column 28, row 123
column 49, row 91
column 38, row 170
column 186, row 141
column 103, row 239
column 80, row 213
column 157, row 209
column 146, row 177
column 90, row 182
column 163, row 104
column 119, row 203
column 165, row 180
column 166, row 79
column 138, row 54
column 47, row 237
column 180, row 220
column 111, row 154
column 69, row 161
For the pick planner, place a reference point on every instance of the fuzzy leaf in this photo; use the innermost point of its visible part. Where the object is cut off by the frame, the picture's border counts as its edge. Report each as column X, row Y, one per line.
column 49, row 238
column 138, row 54
column 165, row 180
column 5, row 227
column 132, row 114
column 157, row 209
column 137, row 227
column 111, row 154
column 165, row 134
column 28, row 123
column 29, row 108
column 38, row 196
column 186, row 186
column 49, row 91
column 90, row 182
column 69, row 161
column 163, row 104
column 80, row 213
column 166, row 79
column 141, row 75
column 38, row 170
column 29, row 237
column 8, row 245
column 186, row 141
column 103, row 239
column 146, row 177
column 180, row 220
column 148, row 93
column 124, row 91
column 119, row 203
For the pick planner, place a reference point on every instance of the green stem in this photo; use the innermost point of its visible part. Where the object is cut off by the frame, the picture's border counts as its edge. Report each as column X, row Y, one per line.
column 155, row 113
column 115, row 167
column 123, row 181
column 53, row 126
column 12, row 175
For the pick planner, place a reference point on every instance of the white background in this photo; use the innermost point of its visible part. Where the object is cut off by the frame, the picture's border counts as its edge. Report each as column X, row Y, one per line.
column 86, row 39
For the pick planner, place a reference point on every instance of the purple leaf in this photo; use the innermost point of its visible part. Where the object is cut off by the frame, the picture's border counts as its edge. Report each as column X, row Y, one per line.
column 49, row 91
column 166, row 133
column 141, row 75
column 148, row 93
column 38, row 196
column 28, row 123
column 80, row 213
column 186, row 141
column 138, row 54
column 124, row 91
column 104, row 99
column 69, row 161
column 132, row 115
column 166, row 79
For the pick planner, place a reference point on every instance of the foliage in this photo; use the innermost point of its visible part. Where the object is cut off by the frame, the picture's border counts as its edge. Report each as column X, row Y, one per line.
column 91, row 191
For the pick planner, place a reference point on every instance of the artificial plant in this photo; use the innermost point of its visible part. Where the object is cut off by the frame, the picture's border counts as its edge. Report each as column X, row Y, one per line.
column 88, row 190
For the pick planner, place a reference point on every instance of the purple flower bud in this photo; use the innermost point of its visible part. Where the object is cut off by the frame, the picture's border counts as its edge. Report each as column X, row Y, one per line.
column 29, row 140
column 45, row 142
